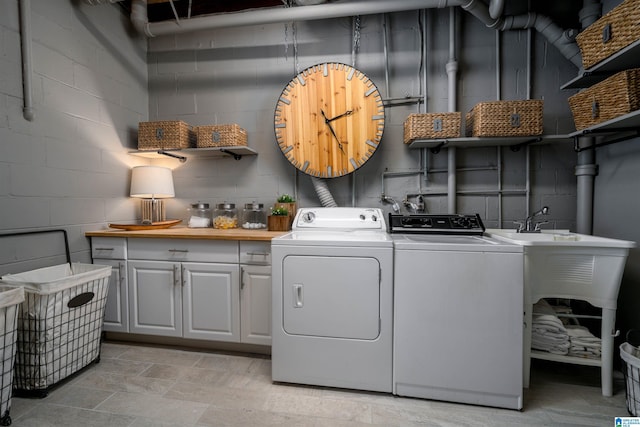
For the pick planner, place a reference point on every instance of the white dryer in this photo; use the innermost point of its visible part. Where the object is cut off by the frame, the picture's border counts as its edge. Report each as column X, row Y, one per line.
column 333, row 300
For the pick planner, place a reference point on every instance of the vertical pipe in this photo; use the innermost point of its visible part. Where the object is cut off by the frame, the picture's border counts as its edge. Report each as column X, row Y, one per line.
column 586, row 168
column 27, row 68
column 425, row 92
column 528, row 148
column 452, row 68
column 498, row 97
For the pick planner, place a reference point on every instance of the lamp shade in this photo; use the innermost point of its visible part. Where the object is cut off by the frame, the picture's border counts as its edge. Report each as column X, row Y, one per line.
column 151, row 182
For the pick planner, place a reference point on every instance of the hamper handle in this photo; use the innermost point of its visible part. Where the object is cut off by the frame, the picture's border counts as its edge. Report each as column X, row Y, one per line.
column 80, row 299
column 57, row 230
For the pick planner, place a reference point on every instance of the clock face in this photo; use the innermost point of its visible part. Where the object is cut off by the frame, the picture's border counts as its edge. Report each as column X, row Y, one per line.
column 329, row 120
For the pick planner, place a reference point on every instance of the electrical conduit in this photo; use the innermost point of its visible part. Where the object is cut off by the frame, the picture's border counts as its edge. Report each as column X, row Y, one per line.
column 27, row 67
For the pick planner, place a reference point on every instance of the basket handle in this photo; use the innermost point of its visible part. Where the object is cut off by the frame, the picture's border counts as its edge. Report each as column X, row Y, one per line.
column 80, row 299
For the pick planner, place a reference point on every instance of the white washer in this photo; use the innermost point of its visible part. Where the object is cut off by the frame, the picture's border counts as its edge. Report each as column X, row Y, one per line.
column 333, row 300
column 458, row 324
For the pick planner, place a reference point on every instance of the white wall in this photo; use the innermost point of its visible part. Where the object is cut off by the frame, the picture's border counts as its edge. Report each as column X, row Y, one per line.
column 69, row 167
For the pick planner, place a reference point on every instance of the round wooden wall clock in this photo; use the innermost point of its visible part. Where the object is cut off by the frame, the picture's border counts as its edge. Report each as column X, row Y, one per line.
column 329, row 120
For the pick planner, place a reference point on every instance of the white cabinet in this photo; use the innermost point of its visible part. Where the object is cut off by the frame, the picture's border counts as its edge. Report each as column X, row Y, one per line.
column 155, row 298
column 113, row 251
column 217, row 290
column 172, row 296
column 255, row 293
column 210, row 304
column 255, row 303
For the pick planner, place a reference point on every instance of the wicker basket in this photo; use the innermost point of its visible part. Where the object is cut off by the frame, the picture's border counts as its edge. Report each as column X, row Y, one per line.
column 505, row 118
column 164, row 135
column 613, row 97
column 614, row 31
column 221, row 136
column 432, row 125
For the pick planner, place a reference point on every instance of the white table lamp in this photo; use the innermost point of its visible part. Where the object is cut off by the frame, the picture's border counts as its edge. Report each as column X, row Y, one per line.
column 151, row 183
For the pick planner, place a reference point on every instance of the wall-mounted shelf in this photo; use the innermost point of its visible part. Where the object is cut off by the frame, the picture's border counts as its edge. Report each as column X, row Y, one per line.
column 624, row 127
column 185, row 153
column 514, row 142
column 624, row 59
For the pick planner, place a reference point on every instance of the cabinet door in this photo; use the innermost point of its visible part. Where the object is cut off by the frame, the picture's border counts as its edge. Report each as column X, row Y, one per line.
column 116, row 316
column 211, row 304
column 255, row 304
column 155, row 298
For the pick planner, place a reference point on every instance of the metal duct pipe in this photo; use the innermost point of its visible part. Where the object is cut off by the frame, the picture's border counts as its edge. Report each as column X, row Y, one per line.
column 27, row 67
column 495, row 8
column 288, row 14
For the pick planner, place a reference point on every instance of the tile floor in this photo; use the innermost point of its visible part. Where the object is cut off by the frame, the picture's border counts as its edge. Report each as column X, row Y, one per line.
column 140, row 386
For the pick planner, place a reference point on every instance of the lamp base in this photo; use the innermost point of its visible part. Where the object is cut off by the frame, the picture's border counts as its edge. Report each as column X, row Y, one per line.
column 153, row 210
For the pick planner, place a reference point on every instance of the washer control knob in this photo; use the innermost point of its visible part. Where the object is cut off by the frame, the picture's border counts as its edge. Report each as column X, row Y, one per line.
column 374, row 218
column 362, row 217
column 308, row 217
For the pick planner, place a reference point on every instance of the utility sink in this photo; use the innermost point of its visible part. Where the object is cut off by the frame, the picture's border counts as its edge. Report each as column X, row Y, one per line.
column 557, row 238
column 561, row 264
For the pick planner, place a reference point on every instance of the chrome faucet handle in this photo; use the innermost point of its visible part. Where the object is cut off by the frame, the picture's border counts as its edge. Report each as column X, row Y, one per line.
column 520, row 225
column 538, row 224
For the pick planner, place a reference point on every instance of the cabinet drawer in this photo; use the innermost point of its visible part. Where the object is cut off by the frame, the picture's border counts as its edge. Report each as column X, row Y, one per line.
column 108, row 248
column 258, row 253
column 184, row 250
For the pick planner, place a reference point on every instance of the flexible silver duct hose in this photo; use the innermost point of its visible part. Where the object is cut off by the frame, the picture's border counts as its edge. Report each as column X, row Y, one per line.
column 323, row 192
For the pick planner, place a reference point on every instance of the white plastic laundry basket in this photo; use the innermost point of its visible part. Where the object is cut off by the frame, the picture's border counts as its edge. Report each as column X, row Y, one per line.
column 59, row 323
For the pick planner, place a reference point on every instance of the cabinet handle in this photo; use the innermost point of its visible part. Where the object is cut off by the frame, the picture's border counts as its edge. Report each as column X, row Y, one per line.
column 104, row 249
column 123, row 275
column 179, row 250
column 258, row 253
column 298, row 296
column 176, row 275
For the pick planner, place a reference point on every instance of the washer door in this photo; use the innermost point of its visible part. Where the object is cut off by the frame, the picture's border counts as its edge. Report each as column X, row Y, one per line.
column 334, row 297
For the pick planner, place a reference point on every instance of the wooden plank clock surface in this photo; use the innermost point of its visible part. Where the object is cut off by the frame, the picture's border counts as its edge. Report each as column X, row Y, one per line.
column 329, row 120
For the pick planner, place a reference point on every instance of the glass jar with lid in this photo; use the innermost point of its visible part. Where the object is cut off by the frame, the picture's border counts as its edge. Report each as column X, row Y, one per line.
column 199, row 215
column 225, row 216
column 254, row 216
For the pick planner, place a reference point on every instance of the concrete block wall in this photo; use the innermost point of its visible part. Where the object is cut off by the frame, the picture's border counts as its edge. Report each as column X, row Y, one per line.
column 236, row 75
column 69, row 167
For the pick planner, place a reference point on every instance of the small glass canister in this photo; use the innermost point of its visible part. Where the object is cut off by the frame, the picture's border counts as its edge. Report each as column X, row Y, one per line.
column 254, row 216
column 225, row 216
column 199, row 215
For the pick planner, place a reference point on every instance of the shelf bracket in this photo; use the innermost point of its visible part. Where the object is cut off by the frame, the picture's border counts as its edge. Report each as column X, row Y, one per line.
column 518, row 146
column 436, row 149
column 236, row 156
column 576, row 144
column 175, row 156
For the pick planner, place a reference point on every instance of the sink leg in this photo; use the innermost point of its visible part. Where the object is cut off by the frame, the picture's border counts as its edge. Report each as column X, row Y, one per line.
column 606, row 370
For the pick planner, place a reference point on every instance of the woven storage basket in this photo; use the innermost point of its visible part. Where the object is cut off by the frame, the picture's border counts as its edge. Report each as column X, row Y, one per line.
column 221, row 136
column 165, row 135
column 613, row 97
column 614, row 31
column 505, row 118
column 432, row 125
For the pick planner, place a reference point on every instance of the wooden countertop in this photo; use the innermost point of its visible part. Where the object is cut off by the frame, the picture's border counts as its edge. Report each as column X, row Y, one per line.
column 191, row 233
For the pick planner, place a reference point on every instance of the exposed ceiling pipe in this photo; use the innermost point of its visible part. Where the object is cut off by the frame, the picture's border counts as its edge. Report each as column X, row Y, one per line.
column 27, row 67
column 562, row 40
column 495, row 8
column 287, row 14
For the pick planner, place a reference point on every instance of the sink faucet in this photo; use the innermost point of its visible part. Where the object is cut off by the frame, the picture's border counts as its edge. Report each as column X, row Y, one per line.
column 528, row 226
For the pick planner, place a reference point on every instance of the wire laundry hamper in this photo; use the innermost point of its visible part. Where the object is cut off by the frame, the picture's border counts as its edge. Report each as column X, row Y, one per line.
column 630, row 356
column 10, row 299
column 59, row 323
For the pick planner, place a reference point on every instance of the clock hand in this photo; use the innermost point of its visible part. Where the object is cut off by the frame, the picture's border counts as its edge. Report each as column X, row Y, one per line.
column 333, row 132
column 348, row 113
